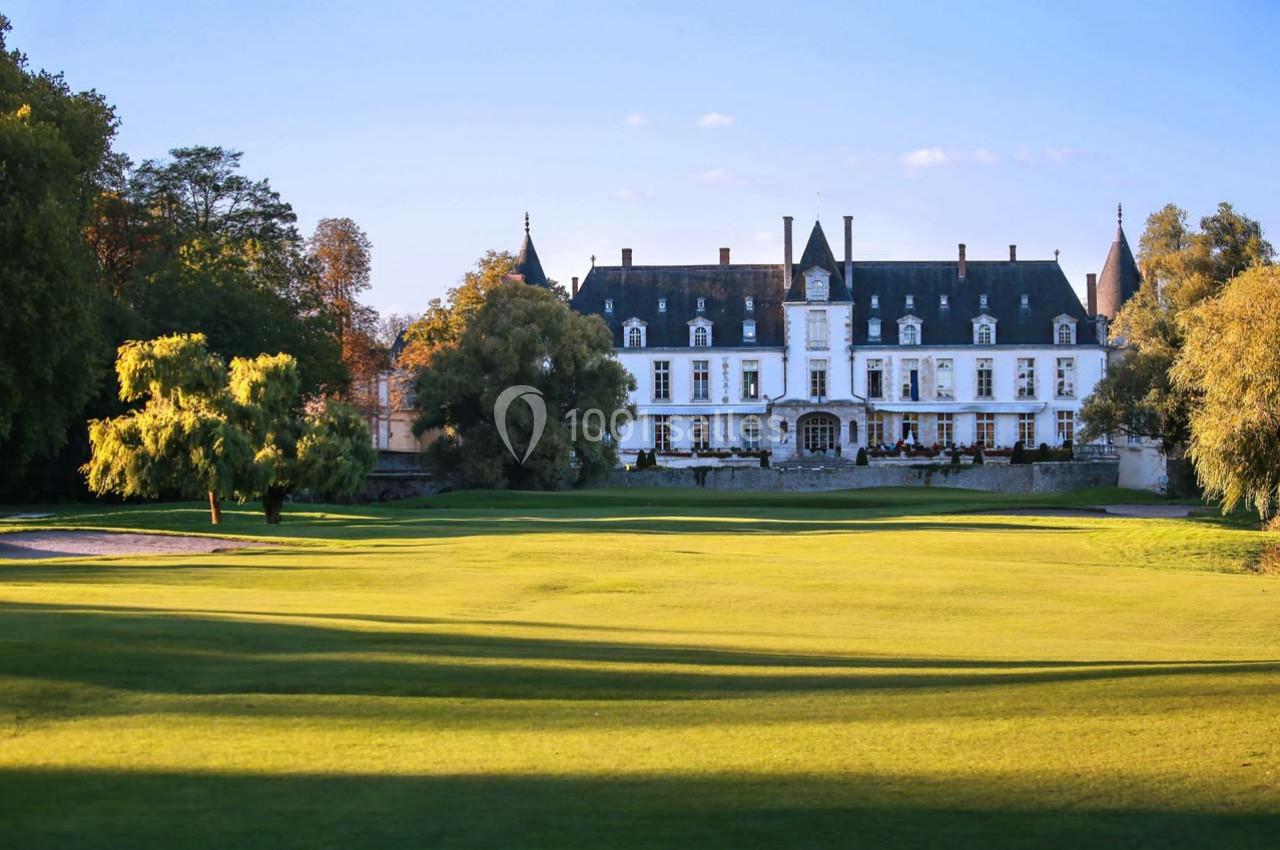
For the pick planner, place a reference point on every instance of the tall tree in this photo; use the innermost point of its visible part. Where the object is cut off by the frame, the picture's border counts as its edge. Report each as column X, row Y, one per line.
column 54, row 144
column 445, row 321
column 524, row 335
column 342, row 255
column 1230, row 366
column 1181, row 268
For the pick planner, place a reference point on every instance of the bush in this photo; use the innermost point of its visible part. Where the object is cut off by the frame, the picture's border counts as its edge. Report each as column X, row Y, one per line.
column 977, row 457
column 764, row 460
column 955, row 457
column 1019, row 455
column 1043, row 453
column 861, row 459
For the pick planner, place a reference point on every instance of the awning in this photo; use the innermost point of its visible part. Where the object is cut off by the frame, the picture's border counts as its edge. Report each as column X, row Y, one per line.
column 959, row 407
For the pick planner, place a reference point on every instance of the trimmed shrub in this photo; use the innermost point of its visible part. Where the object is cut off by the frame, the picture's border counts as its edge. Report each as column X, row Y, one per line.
column 1019, row 455
column 977, row 457
column 955, row 457
column 861, row 458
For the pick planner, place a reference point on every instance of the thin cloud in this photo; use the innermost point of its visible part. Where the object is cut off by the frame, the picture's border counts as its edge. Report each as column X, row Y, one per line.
column 635, row 119
column 938, row 157
column 721, row 177
column 1050, row 155
column 715, row 120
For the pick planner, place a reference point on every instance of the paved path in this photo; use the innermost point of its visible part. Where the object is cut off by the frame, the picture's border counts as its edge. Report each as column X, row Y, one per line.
column 26, row 545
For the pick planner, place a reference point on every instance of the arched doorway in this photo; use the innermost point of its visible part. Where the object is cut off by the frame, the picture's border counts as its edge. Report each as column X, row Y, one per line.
column 819, row 434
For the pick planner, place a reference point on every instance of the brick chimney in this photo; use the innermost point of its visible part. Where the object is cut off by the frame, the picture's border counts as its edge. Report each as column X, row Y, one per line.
column 848, row 250
column 1091, row 296
column 786, row 252
column 573, row 288
column 960, row 266
column 626, row 258
column 724, row 256
column 1013, row 253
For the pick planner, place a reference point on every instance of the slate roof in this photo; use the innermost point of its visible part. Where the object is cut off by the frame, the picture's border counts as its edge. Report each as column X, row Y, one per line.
column 528, row 267
column 635, row 292
column 1120, row 277
column 817, row 252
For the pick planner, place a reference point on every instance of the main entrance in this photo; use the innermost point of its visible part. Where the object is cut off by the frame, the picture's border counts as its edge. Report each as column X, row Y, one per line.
column 820, row 433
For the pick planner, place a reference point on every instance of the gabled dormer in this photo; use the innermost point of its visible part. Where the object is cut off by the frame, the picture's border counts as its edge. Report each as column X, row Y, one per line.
column 700, row 332
column 817, row 269
column 634, row 333
column 984, row 329
column 1064, row 330
column 910, row 330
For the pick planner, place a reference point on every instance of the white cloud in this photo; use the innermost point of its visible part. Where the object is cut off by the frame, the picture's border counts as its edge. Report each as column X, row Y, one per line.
column 935, row 157
column 1060, row 155
column 715, row 120
column 632, row 194
column 721, row 177
column 635, row 119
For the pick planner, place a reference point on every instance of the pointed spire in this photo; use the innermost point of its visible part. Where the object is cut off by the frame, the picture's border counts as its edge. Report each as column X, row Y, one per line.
column 1120, row 276
column 817, row 252
column 528, row 268
column 1120, row 215
column 526, row 222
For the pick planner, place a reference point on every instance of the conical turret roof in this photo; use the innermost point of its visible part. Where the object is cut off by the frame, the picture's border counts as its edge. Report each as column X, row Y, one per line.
column 528, row 267
column 1120, row 277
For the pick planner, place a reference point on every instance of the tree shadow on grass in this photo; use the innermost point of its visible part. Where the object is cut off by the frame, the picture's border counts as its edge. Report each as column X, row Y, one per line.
column 184, row 654
column 112, row 809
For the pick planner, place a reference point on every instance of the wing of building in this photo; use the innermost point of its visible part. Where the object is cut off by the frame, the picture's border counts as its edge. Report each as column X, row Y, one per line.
column 822, row 356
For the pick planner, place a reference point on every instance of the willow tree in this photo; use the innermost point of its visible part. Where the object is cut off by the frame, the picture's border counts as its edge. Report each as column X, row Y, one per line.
column 1230, row 365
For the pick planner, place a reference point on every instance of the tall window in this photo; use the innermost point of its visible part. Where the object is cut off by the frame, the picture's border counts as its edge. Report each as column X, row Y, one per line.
column 634, row 338
column 750, row 379
column 817, row 329
column 1064, row 334
column 748, row 330
column 1066, row 426
column 875, row 378
column 911, row 427
column 701, row 432
column 875, row 429
column 985, row 370
column 910, row 335
column 701, row 380
column 816, row 288
column 662, row 380
column 873, row 329
column 701, row 336
column 1026, row 378
column 984, row 429
column 1066, row 383
column 986, row 334
column 1027, row 429
column 946, row 387
column 910, row 380
column 751, row 433
column 818, row 380
column 946, row 428
column 662, row 433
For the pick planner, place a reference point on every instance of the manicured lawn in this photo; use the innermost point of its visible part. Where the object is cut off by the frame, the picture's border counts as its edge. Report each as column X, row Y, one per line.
column 647, row 669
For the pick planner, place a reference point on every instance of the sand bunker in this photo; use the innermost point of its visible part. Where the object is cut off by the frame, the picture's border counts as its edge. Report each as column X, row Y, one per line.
column 25, row 545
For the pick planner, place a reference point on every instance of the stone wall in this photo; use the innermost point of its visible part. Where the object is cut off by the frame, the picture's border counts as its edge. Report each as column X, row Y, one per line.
column 1000, row 478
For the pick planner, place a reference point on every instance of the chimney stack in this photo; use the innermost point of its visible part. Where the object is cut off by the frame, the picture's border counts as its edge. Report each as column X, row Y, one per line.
column 626, row 258
column 1091, row 290
column 1013, row 253
column 724, row 256
column 960, row 268
column 848, row 250
column 786, row 252
column 573, row 289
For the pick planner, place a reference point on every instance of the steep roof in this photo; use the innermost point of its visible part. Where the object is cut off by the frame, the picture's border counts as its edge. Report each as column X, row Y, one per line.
column 817, row 252
column 635, row 292
column 528, row 267
column 1120, row 277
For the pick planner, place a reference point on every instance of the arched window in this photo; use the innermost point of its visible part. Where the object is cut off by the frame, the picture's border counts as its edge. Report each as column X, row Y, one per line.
column 701, row 337
column 853, row 431
column 1064, row 334
column 634, row 338
column 910, row 335
column 984, row 334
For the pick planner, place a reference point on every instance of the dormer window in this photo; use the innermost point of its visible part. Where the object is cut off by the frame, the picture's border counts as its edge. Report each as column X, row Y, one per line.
column 1026, row 300
column 608, row 305
column 1064, row 330
column 875, row 302
column 984, row 330
column 750, row 304
column 944, row 301
column 873, row 330
column 911, row 302
column 909, row 328
column 702, row 305
column 815, row 286
column 633, row 333
column 662, row 305
column 700, row 333
column 982, row 302
column 749, row 330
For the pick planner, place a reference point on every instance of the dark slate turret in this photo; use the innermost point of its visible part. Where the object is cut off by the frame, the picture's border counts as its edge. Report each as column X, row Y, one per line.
column 1120, row 277
column 817, row 252
column 528, row 268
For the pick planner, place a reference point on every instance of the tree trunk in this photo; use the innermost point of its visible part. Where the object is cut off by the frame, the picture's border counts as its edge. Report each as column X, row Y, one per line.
column 215, row 508
column 273, row 504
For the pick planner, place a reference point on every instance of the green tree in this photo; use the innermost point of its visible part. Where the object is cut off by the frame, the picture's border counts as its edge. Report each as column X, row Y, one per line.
column 1182, row 267
column 1230, row 365
column 53, row 147
column 523, row 335
column 445, row 321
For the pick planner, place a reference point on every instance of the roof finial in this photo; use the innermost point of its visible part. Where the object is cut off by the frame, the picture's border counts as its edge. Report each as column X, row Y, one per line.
column 526, row 222
column 1055, row 255
column 593, row 261
column 1120, row 214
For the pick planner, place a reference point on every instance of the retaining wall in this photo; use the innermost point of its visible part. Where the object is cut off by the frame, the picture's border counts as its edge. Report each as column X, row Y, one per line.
column 1028, row 478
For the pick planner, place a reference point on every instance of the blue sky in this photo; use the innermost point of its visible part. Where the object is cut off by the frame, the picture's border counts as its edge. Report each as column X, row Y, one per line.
column 677, row 128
